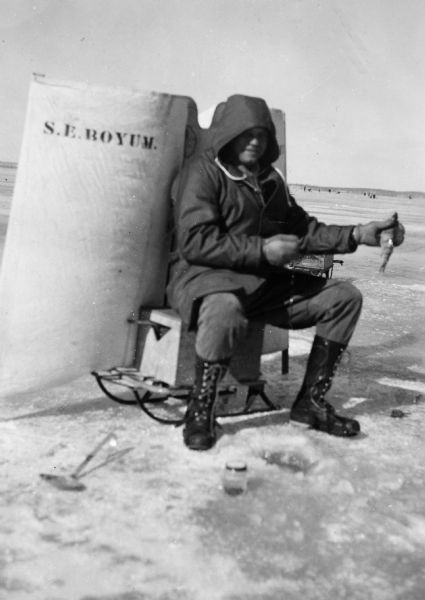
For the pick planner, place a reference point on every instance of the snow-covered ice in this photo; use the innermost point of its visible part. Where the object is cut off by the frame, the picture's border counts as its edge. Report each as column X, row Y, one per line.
column 322, row 517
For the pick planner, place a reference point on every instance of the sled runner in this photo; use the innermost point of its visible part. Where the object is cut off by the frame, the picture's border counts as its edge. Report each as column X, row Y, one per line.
column 162, row 376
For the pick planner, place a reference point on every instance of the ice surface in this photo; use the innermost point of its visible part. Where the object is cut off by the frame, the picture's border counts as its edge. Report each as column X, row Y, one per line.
column 322, row 517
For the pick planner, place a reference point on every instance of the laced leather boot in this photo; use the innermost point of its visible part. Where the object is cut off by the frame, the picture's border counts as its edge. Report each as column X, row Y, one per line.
column 310, row 407
column 199, row 431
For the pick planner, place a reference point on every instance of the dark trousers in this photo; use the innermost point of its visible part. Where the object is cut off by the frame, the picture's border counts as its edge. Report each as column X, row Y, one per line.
column 299, row 301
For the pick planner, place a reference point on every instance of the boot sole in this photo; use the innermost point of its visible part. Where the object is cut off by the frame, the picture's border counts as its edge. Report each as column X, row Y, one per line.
column 300, row 424
column 199, row 447
column 303, row 425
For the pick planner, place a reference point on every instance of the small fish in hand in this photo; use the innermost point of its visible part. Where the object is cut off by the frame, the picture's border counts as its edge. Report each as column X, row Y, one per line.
column 389, row 239
column 387, row 247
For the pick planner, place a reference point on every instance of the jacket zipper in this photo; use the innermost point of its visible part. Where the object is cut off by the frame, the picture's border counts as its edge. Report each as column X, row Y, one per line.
column 258, row 195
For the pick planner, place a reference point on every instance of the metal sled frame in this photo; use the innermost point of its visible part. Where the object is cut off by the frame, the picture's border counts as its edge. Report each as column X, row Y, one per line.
column 148, row 391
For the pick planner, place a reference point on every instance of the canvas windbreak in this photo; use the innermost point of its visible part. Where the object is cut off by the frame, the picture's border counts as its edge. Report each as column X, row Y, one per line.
column 86, row 240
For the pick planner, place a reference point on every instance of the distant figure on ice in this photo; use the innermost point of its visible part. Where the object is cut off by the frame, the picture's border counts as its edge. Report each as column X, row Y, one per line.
column 237, row 228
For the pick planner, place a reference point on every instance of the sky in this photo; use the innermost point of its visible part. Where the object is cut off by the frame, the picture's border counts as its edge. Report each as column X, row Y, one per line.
column 348, row 74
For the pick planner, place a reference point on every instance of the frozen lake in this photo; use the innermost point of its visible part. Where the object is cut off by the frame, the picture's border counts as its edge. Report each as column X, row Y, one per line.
column 322, row 517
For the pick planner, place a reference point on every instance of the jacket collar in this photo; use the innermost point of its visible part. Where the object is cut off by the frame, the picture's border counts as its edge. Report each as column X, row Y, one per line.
column 229, row 171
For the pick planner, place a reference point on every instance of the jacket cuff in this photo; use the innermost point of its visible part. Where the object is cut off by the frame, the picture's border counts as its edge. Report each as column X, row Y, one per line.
column 352, row 242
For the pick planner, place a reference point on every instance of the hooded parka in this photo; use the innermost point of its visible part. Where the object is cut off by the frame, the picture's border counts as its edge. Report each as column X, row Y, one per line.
column 222, row 217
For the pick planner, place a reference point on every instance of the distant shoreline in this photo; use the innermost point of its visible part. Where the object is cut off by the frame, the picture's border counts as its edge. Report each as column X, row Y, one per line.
column 375, row 192
column 8, row 175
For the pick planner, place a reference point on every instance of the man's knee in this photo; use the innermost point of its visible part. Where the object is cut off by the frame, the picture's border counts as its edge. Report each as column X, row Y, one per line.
column 340, row 318
column 352, row 296
column 221, row 324
column 347, row 303
column 223, row 310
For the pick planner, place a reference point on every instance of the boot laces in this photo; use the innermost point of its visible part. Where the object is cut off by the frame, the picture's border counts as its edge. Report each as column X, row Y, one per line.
column 318, row 397
column 323, row 385
column 204, row 398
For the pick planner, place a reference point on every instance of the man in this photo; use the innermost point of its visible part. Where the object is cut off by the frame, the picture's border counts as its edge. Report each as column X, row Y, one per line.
column 237, row 228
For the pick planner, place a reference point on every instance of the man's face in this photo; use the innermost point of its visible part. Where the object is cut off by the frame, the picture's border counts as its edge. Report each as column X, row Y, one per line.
column 249, row 146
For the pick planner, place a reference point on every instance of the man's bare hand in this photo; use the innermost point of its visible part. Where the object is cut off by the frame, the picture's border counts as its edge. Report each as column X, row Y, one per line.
column 281, row 249
column 370, row 233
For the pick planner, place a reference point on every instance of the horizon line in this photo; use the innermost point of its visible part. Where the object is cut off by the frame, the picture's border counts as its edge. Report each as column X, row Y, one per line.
column 14, row 165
